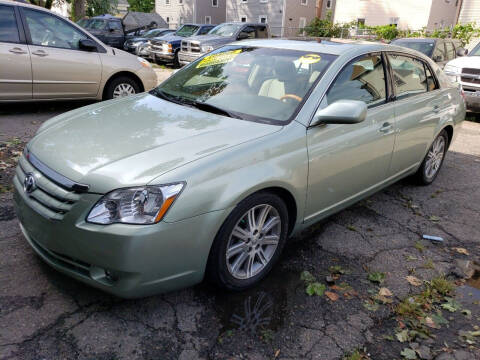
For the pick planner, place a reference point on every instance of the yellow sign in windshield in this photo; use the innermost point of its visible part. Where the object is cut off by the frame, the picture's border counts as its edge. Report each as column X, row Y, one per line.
column 220, row 58
column 310, row 59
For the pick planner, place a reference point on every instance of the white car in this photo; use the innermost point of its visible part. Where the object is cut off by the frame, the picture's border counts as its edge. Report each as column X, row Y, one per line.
column 466, row 71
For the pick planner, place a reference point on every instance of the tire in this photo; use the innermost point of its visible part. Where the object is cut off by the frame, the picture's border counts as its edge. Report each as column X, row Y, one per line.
column 118, row 83
column 259, row 250
column 433, row 161
column 176, row 61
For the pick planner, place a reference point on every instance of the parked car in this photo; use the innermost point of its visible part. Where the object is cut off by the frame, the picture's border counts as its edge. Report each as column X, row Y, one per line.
column 45, row 57
column 227, row 159
column 466, row 72
column 196, row 46
column 440, row 50
column 138, row 45
column 166, row 48
column 113, row 30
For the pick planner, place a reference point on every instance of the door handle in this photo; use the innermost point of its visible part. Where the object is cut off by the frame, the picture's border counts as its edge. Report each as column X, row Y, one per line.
column 17, row 50
column 40, row 53
column 386, row 128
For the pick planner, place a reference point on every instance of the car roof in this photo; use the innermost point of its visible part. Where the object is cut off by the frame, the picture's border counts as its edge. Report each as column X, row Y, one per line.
column 241, row 23
column 333, row 47
column 24, row 4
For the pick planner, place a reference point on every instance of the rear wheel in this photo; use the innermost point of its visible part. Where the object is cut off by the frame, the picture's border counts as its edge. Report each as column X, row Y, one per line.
column 433, row 161
column 121, row 86
column 249, row 243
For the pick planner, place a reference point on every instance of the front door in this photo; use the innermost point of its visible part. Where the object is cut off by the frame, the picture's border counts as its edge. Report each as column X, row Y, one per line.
column 15, row 67
column 346, row 161
column 60, row 69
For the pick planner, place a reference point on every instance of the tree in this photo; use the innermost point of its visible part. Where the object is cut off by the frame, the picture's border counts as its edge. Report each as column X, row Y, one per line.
column 326, row 27
column 142, row 5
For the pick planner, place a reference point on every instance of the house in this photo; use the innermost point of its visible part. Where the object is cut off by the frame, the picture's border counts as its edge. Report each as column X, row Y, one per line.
column 406, row 14
column 325, row 7
column 177, row 12
column 469, row 12
column 285, row 17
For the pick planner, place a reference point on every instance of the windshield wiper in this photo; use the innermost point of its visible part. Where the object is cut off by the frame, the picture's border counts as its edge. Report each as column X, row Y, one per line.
column 213, row 109
column 163, row 95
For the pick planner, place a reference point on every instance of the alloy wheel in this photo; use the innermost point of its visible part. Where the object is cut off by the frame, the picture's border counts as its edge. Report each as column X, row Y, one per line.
column 253, row 241
column 122, row 90
column 435, row 157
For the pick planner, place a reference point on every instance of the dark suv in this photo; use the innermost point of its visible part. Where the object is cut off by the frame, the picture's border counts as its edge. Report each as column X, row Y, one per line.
column 439, row 50
column 166, row 48
column 194, row 47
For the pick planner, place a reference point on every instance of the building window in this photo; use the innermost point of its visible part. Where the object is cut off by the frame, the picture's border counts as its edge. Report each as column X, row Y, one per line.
column 262, row 19
column 208, row 19
column 168, row 19
column 329, row 4
column 243, row 19
column 167, row 2
column 361, row 23
column 304, row 2
column 180, row 20
column 215, row 3
column 244, row 1
column 180, row 2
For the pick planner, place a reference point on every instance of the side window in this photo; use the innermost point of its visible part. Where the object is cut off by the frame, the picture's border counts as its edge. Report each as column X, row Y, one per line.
column 408, row 75
column 450, row 50
column 48, row 30
column 8, row 25
column 249, row 31
column 431, row 83
column 262, row 32
column 115, row 25
column 204, row 30
column 439, row 52
column 363, row 80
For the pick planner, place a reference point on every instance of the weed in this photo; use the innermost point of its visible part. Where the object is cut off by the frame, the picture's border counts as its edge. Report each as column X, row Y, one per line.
column 429, row 264
column 337, row 269
column 442, row 285
column 351, row 228
column 376, row 277
column 267, row 335
column 419, row 246
column 356, row 355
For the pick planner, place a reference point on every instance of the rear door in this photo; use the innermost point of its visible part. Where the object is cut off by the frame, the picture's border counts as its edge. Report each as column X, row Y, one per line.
column 15, row 66
column 262, row 31
column 419, row 104
column 347, row 160
column 115, row 34
column 60, row 69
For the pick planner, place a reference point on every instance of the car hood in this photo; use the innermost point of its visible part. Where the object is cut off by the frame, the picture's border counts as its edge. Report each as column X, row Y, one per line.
column 210, row 39
column 135, row 39
column 466, row 61
column 132, row 141
column 168, row 38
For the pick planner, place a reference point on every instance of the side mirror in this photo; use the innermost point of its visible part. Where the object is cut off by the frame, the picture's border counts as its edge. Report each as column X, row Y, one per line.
column 87, row 44
column 462, row 52
column 341, row 112
column 242, row 36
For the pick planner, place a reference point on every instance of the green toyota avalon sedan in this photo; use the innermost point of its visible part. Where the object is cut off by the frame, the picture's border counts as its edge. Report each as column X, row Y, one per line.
column 209, row 174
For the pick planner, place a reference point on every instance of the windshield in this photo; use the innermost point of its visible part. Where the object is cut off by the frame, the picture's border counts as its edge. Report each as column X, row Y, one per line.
column 152, row 33
column 258, row 84
column 423, row 47
column 226, row 30
column 187, row 30
column 475, row 51
column 96, row 24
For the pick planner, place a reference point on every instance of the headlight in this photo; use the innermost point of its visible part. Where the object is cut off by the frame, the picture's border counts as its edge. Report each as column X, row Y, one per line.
column 144, row 62
column 137, row 205
column 136, row 43
column 452, row 72
column 207, row 48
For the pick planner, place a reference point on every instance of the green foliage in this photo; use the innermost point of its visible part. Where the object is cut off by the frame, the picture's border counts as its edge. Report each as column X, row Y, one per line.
column 307, row 277
column 386, row 32
column 326, row 27
column 142, row 5
column 315, row 288
column 376, row 277
column 337, row 269
column 99, row 7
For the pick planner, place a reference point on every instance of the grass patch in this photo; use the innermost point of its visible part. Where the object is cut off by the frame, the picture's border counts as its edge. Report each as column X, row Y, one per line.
column 419, row 246
column 376, row 277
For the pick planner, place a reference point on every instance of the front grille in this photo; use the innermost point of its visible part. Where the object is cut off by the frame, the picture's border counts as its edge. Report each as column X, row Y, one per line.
column 190, row 46
column 474, row 77
column 48, row 199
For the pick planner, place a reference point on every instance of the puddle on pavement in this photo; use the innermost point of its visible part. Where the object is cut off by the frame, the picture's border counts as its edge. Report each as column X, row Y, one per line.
column 261, row 308
column 471, row 290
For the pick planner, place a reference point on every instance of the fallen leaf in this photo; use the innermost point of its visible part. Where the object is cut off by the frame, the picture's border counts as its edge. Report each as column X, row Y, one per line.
column 336, row 287
column 434, row 218
column 461, row 251
column 402, row 336
column 430, row 323
column 384, row 292
column 331, row 295
column 409, row 354
column 277, row 353
column 412, row 280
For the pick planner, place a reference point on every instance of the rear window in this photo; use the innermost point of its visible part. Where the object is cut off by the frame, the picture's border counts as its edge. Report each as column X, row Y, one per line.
column 8, row 25
column 421, row 46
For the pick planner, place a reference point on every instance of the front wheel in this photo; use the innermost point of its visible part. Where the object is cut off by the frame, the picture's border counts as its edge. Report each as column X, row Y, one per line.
column 120, row 87
column 249, row 243
column 433, row 161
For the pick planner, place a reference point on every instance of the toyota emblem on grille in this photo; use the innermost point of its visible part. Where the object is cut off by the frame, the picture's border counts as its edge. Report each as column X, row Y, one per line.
column 29, row 183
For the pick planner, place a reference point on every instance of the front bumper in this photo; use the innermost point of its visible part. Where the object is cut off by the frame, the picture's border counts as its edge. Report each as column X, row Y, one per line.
column 128, row 261
column 186, row 58
column 472, row 99
column 161, row 55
